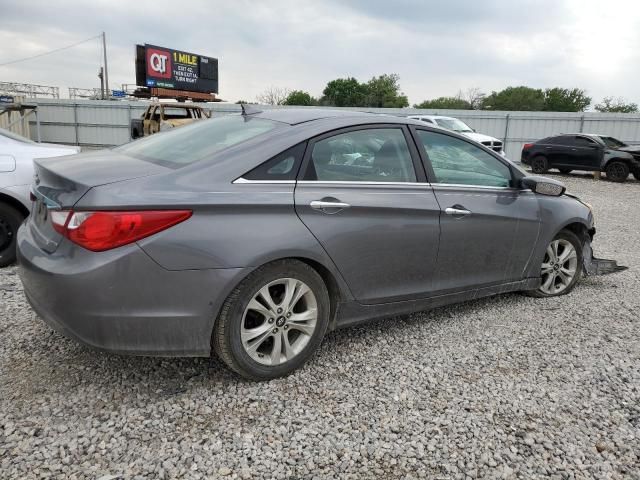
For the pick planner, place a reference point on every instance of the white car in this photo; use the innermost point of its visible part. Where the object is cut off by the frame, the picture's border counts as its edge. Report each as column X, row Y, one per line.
column 16, row 174
column 458, row 126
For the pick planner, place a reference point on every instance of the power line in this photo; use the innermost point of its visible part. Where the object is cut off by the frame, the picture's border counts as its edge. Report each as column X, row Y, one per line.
column 49, row 52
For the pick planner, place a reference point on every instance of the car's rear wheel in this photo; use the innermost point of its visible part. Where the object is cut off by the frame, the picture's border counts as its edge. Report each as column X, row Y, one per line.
column 562, row 266
column 636, row 173
column 617, row 171
column 539, row 164
column 273, row 321
column 10, row 220
column 565, row 170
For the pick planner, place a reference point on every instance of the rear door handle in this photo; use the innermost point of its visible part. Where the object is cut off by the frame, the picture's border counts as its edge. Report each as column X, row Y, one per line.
column 328, row 206
column 457, row 211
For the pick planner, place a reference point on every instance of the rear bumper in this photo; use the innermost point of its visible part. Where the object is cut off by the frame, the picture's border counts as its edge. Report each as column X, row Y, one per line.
column 121, row 300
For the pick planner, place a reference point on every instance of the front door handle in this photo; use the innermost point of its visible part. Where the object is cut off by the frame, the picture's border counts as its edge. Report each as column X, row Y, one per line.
column 457, row 211
column 326, row 206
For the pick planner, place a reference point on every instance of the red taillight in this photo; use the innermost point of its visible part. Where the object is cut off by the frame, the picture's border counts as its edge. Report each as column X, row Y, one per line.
column 99, row 231
column 527, row 146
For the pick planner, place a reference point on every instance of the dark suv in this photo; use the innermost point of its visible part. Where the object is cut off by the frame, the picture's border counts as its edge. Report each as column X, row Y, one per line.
column 581, row 151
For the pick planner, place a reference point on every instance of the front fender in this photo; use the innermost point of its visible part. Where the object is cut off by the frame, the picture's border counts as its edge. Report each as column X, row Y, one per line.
column 556, row 214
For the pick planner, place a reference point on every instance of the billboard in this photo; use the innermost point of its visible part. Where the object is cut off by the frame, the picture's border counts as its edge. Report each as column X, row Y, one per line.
column 167, row 68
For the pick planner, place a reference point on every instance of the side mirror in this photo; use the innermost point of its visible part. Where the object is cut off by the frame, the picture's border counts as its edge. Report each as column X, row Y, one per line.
column 543, row 186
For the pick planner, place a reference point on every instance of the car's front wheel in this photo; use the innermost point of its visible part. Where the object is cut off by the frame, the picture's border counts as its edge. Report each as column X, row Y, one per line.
column 10, row 220
column 562, row 266
column 273, row 321
column 617, row 171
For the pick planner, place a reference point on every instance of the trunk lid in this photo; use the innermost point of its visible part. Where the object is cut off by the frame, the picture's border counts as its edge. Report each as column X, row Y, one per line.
column 60, row 182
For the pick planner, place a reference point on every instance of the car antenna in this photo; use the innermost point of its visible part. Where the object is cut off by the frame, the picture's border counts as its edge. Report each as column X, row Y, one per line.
column 249, row 109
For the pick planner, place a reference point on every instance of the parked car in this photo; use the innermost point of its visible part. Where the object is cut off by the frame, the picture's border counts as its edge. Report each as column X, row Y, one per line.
column 16, row 174
column 458, row 126
column 161, row 116
column 580, row 151
column 252, row 235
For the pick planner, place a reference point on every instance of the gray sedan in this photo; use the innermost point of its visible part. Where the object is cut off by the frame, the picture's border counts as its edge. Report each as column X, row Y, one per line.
column 252, row 235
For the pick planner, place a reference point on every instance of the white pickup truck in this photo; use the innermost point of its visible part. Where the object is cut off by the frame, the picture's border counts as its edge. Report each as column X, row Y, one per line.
column 458, row 126
column 16, row 175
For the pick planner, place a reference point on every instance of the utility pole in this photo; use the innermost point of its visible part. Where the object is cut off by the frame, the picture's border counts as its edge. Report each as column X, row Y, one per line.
column 101, row 77
column 106, row 72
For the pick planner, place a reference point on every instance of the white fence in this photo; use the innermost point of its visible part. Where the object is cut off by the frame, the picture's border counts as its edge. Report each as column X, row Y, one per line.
column 99, row 123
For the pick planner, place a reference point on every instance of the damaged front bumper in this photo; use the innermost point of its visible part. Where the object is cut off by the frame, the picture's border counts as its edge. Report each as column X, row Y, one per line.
column 598, row 266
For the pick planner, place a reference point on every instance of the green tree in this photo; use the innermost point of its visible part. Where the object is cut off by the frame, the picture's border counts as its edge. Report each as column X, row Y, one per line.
column 344, row 92
column 616, row 105
column 516, row 99
column 384, row 92
column 451, row 103
column 565, row 100
column 299, row 97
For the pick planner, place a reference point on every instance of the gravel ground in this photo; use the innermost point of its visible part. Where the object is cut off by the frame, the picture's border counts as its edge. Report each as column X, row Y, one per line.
column 506, row 387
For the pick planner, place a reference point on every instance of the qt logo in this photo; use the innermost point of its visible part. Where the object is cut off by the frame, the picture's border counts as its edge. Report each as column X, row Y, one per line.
column 158, row 63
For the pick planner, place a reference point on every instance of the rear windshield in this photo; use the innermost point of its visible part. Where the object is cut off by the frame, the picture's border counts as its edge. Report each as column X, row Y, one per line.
column 185, row 145
column 14, row 136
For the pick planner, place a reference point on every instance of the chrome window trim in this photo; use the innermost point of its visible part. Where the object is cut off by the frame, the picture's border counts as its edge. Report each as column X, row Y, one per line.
column 462, row 185
column 399, row 184
column 242, row 180
column 481, row 187
column 368, row 183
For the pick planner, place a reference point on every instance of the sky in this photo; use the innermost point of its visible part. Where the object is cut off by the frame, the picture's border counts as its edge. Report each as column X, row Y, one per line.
column 437, row 47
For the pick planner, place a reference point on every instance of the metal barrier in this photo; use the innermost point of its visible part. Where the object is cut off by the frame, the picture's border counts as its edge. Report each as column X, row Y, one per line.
column 103, row 123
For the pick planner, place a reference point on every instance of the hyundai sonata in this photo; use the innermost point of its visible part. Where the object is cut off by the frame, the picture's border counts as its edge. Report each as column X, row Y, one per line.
column 252, row 235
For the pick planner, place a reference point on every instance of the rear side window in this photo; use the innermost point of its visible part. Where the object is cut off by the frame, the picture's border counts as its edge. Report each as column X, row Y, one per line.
column 283, row 166
column 367, row 155
column 566, row 140
column 185, row 145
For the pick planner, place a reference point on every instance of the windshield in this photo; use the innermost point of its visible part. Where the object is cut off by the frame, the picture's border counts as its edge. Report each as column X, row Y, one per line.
column 613, row 142
column 183, row 146
column 14, row 136
column 453, row 124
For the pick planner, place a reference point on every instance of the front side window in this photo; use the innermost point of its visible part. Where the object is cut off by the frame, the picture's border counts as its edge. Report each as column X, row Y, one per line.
column 583, row 142
column 456, row 161
column 371, row 155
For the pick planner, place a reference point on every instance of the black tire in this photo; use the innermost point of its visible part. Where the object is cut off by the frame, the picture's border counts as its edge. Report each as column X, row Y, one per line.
column 636, row 173
column 565, row 170
column 226, row 339
column 617, row 171
column 10, row 220
column 539, row 164
column 577, row 244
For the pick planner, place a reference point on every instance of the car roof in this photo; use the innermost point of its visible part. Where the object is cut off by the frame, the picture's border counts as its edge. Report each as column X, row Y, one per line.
column 434, row 117
column 579, row 134
column 295, row 116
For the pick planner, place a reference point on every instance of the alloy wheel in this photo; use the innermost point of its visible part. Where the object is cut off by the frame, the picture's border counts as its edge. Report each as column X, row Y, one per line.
column 539, row 164
column 279, row 321
column 617, row 171
column 559, row 267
